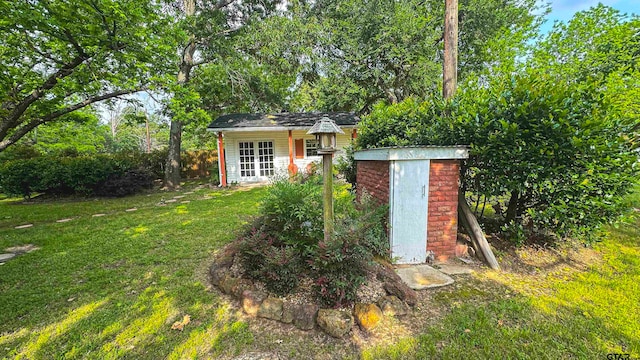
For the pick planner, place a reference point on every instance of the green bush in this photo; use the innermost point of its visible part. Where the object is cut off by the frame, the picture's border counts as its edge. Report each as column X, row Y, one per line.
column 552, row 155
column 96, row 175
column 286, row 241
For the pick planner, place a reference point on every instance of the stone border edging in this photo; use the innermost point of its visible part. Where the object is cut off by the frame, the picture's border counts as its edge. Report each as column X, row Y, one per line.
column 337, row 323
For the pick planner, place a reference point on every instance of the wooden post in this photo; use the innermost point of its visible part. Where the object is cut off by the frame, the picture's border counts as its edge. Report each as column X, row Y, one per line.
column 223, row 170
column 450, row 64
column 293, row 169
column 327, row 193
column 478, row 239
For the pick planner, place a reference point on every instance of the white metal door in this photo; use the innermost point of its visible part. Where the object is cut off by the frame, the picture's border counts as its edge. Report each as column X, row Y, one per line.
column 408, row 211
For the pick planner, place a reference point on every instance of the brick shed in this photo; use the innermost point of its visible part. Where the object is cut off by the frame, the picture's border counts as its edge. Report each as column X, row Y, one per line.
column 420, row 184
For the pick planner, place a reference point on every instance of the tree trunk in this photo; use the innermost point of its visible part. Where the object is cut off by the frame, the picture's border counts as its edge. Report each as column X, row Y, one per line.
column 172, row 170
column 512, row 209
column 450, row 63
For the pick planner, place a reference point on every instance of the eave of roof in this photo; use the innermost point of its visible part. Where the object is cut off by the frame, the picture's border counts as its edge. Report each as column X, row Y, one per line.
column 279, row 121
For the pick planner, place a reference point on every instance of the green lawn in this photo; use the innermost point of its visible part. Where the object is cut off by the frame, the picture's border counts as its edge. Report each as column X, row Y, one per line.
column 112, row 286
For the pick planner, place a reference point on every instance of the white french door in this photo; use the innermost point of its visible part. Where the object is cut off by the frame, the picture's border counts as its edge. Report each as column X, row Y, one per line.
column 256, row 165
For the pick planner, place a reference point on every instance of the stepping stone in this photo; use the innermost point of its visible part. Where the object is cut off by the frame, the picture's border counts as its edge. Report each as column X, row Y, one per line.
column 63, row 220
column 130, row 210
column 185, row 202
column 5, row 257
column 420, row 277
column 452, row 269
column 178, row 196
column 171, row 201
column 21, row 249
column 188, row 193
column 23, row 226
column 98, row 215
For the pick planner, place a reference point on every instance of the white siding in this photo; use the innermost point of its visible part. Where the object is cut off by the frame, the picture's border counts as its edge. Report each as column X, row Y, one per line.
column 281, row 151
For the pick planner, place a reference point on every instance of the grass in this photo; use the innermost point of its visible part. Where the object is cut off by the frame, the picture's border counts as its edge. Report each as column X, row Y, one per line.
column 110, row 287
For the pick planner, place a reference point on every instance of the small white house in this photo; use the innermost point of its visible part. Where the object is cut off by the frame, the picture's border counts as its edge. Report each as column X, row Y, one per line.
column 254, row 147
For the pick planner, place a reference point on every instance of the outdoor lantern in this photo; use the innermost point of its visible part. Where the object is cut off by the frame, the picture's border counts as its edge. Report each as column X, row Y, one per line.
column 325, row 131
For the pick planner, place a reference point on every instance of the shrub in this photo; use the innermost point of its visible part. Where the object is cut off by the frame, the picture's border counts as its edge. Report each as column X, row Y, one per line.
column 97, row 175
column 266, row 259
column 286, row 241
column 340, row 267
column 552, row 155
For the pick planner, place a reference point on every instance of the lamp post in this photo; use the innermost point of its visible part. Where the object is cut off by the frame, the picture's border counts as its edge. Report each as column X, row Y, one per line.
column 325, row 131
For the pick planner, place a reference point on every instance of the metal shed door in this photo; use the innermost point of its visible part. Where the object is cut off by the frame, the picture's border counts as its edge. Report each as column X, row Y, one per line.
column 408, row 211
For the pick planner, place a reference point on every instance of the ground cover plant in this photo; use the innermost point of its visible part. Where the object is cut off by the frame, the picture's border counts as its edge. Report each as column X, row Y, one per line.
column 112, row 286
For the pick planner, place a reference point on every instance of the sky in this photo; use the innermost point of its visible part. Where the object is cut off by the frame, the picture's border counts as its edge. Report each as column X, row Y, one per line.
column 563, row 10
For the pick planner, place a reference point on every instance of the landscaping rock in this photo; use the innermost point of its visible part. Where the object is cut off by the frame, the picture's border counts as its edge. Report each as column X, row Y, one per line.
column 287, row 312
column 251, row 301
column 5, row 257
column 240, row 287
column 64, row 220
column 98, row 215
column 271, row 308
column 227, row 283
column 304, row 316
column 217, row 273
column 23, row 226
column 368, row 316
column 335, row 322
column 392, row 306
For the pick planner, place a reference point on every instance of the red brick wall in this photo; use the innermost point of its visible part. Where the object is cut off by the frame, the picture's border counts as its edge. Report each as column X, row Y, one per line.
column 442, row 218
column 373, row 176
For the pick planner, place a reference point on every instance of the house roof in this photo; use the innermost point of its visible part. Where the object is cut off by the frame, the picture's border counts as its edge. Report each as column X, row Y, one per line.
column 279, row 121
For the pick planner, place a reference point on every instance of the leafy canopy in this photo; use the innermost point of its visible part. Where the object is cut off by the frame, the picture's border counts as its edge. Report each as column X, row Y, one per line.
column 60, row 56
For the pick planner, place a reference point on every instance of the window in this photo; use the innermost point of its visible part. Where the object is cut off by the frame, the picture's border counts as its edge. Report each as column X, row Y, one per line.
column 312, row 147
column 247, row 159
column 265, row 158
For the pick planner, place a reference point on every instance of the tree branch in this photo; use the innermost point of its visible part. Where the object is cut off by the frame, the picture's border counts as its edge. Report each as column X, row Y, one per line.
column 22, row 106
column 222, row 3
column 23, row 130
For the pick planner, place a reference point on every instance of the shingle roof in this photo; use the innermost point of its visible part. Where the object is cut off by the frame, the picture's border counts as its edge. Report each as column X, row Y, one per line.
column 290, row 120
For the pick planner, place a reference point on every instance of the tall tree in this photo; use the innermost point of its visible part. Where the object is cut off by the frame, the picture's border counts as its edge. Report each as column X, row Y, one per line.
column 209, row 28
column 373, row 50
column 60, row 56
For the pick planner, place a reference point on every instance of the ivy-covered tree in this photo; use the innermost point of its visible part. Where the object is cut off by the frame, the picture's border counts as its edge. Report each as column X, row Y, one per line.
column 60, row 56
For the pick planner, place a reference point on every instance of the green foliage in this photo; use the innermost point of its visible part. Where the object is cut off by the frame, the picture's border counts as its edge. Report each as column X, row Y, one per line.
column 346, row 165
column 556, row 152
column 362, row 52
column 340, row 267
column 286, row 241
column 551, row 144
column 97, row 175
column 61, row 56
